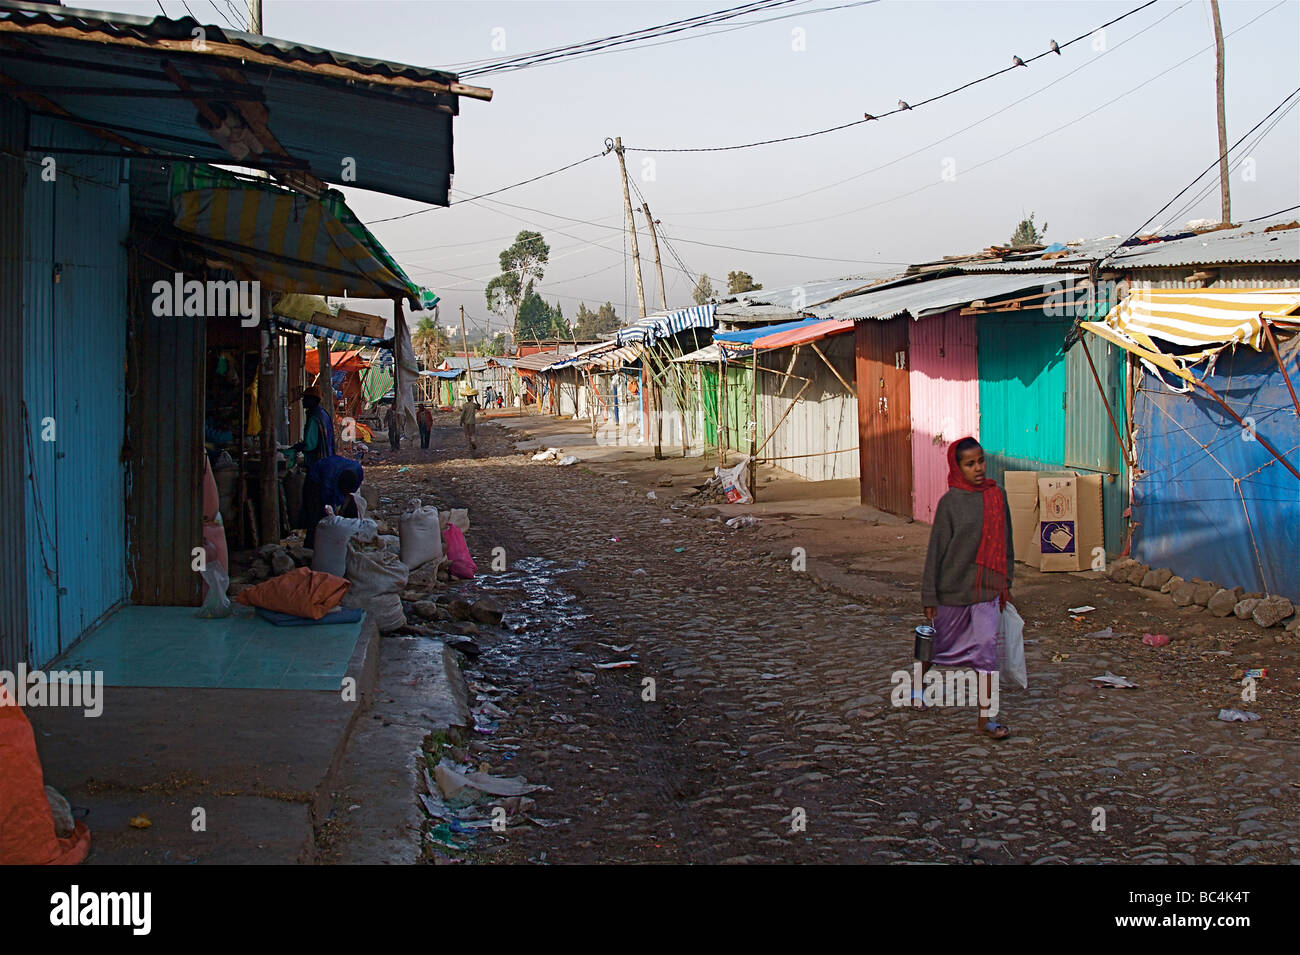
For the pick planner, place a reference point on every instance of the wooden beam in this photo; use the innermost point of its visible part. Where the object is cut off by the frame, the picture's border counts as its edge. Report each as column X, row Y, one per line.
column 52, row 107
column 833, row 369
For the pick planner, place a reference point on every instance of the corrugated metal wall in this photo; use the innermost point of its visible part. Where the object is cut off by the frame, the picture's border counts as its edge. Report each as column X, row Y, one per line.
column 76, row 350
column 824, row 420
column 13, row 454
column 884, row 414
column 945, row 402
column 164, row 432
column 1022, row 385
column 1279, row 275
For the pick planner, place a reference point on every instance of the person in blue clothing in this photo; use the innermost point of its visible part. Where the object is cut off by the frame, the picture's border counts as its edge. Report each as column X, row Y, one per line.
column 317, row 443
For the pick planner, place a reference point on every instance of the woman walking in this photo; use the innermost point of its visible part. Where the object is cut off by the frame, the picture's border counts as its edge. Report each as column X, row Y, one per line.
column 468, row 416
column 968, row 570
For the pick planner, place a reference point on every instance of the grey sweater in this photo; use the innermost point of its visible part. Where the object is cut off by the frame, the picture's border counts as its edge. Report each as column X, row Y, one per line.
column 949, row 578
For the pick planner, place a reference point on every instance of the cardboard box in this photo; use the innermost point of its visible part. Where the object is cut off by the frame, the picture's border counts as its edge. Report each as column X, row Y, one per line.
column 1056, row 518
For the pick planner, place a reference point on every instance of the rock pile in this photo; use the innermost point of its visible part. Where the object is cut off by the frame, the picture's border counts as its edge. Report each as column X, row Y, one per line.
column 1264, row 609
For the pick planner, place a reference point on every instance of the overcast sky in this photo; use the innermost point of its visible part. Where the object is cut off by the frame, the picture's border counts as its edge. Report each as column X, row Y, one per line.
column 1106, row 133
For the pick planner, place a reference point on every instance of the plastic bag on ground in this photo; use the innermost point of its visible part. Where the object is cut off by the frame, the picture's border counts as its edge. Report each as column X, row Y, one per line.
column 421, row 536
column 215, row 603
column 735, row 482
column 462, row 565
column 330, row 556
column 1011, row 647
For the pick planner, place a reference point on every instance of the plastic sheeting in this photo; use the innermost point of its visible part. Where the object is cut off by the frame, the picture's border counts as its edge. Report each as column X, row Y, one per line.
column 1194, row 518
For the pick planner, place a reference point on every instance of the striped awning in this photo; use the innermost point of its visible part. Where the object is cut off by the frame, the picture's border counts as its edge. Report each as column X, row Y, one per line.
column 333, row 334
column 584, row 355
column 616, row 359
column 666, row 324
column 288, row 241
column 1200, row 321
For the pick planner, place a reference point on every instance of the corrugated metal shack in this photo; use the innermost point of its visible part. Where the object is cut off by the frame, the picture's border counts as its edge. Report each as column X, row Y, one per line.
column 110, row 463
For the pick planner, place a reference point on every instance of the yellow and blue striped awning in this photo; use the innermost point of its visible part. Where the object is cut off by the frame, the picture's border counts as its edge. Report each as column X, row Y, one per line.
column 1199, row 321
column 288, row 241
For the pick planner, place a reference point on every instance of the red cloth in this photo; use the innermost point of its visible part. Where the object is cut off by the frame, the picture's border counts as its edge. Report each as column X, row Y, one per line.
column 26, row 823
column 992, row 553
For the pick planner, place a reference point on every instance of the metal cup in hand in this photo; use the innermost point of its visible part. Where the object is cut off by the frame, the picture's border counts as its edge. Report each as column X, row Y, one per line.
column 924, row 648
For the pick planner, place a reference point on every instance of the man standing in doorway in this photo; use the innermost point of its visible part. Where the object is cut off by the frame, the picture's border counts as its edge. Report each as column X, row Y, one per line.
column 424, row 418
column 317, row 443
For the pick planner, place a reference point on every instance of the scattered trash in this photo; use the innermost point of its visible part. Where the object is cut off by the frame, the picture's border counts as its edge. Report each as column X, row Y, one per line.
column 403, row 469
column 639, row 570
column 550, row 454
column 1155, row 639
column 665, row 520
column 567, row 460
column 1119, row 682
column 547, row 823
column 587, row 678
column 1238, row 716
column 443, row 836
column 561, row 718
column 453, row 783
column 651, row 495
column 679, row 550
column 1256, row 674
column 1108, row 632
column 484, row 725
column 1086, row 608
column 747, row 520
column 617, row 665
column 140, row 822
column 491, row 709
column 613, row 540
column 1060, row 657
column 623, row 649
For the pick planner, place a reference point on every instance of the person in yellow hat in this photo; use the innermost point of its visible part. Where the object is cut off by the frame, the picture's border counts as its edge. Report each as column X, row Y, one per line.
column 469, row 415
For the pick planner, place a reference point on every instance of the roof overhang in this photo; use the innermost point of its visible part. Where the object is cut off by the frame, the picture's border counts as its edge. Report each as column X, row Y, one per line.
column 178, row 89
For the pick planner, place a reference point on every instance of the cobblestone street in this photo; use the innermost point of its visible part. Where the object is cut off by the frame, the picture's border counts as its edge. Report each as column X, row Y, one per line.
column 772, row 705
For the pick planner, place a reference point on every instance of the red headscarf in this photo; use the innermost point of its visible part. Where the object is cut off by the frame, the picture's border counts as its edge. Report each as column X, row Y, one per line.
column 992, row 553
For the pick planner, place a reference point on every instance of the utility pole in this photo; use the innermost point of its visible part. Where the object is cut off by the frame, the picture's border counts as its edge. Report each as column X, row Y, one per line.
column 654, row 240
column 255, row 16
column 631, row 226
column 464, row 341
column 1225, row 199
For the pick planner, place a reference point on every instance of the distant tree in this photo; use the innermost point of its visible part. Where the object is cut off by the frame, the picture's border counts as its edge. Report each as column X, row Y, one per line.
column 703, row 289
column 1027, row 233
column 595, row 324
column 429, row 342
column 738, row 282
column 522, row 266
column 559, row 327
column 496, row 345
column 533, row 321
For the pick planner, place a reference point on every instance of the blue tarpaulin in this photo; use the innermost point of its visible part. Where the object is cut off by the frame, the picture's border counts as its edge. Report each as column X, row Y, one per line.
column 1213, row 502
column 751, row 335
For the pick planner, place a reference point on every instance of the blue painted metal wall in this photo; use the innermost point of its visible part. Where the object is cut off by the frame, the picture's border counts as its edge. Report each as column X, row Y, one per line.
column 75, row 352
column 1210, row 502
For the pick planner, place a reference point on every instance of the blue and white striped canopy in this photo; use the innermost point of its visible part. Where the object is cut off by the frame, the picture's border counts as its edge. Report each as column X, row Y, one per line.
column 667, row 324
column 333, row 334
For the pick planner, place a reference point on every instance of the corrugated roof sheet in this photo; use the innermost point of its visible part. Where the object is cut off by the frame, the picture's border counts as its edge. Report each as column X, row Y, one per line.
column 1215, row 248
column 537, row 361
column 920, row 299
column 794, row 298
column 393, row 121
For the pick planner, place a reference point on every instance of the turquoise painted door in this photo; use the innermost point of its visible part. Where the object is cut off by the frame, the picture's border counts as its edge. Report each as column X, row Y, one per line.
column 1023, row 386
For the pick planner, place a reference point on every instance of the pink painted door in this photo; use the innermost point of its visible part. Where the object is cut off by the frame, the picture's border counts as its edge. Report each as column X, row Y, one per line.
column 945, row 402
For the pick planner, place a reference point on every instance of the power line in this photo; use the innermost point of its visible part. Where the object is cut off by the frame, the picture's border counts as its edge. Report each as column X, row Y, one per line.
column 1211, row 166
column 589, row 47
column 224, row 19
column 902, row 106
column 931, row 145
column 407, row 215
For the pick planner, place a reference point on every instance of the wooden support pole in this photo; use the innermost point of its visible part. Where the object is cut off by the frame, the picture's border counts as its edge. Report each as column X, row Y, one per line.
column 659, row 265
column 833, row 369
column 268, row 408
column 631, row 228
column 784, row 415
column 753, row 423
column 1286, row 375
column 1236, row 417
column 1128, row 457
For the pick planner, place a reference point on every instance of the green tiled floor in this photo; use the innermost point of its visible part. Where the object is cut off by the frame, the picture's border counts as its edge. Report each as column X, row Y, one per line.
column 170, row 646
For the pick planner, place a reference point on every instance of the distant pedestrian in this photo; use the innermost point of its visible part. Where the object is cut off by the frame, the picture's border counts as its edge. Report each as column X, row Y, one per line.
column 489, row 397
column 424, row 419
column 469, row 416
column 968, row 571
column 391, row 422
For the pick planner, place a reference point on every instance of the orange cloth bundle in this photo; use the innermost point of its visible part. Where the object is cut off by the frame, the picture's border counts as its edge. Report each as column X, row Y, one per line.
column 302, row 592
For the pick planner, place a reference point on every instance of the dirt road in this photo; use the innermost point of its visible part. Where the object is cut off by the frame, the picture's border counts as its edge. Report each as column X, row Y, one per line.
column 756, row 723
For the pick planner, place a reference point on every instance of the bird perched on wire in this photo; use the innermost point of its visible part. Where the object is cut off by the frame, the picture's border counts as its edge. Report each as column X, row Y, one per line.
column 867, row 116
column 902, row 105
column 1055, row 48
column 1017, row 61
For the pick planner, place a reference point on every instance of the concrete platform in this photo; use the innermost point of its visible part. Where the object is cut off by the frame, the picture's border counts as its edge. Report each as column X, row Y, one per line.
column 259, row 763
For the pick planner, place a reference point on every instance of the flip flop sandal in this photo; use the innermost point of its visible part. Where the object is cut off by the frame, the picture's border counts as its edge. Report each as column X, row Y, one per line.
column 996, row 730
column 918, row 700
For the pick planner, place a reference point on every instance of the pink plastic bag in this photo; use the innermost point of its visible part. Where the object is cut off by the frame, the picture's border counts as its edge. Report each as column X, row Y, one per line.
column 462, row 565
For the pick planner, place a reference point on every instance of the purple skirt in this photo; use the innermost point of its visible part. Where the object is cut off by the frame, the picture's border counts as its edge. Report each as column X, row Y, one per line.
column 967, row 636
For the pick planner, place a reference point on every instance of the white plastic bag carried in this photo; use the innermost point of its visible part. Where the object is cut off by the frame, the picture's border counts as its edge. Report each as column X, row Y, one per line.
column 1011, row 647
column 330, row 555
column 216, row 604
column 421, row 536
column 735, row 482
